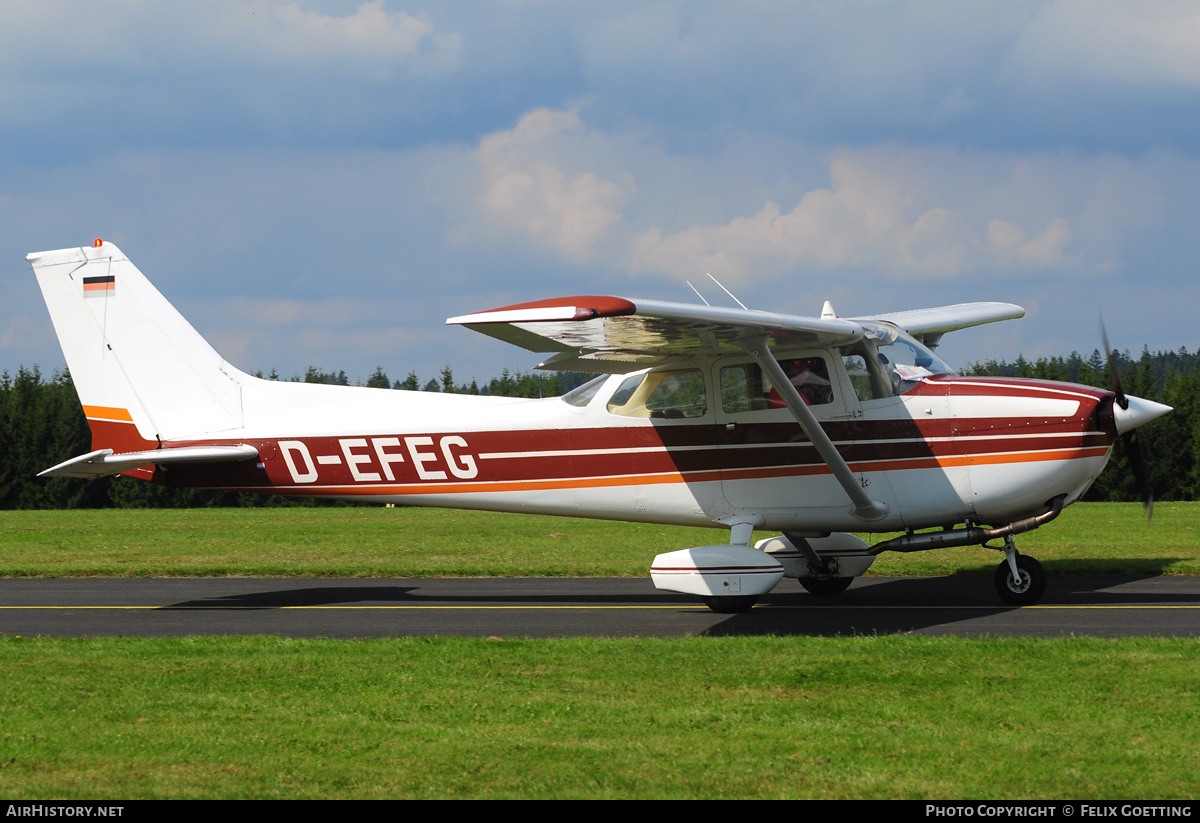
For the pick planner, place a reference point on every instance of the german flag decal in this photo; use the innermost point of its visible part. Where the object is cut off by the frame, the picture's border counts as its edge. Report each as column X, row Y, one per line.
column 103, row 286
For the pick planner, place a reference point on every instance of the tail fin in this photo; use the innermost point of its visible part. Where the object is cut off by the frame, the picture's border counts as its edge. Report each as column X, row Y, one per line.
column 142, row 372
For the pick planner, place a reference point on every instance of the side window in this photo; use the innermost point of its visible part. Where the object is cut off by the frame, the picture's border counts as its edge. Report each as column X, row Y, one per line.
column 868, row 372
column 662, row 395
column 810, row 377
column 744, row 387
column 868, row 385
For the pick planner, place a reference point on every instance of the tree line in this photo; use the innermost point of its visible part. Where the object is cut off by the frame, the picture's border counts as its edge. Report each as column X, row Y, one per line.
column 42, row 423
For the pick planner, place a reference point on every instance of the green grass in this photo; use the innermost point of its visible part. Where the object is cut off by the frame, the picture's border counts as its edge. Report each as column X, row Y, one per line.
column 864, row 717
column 379, row 542
column 867, row 717
column 1087, row 538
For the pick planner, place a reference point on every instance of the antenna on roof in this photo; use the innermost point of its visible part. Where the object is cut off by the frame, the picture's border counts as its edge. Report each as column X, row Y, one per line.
column 727, row 291
column 697, row 291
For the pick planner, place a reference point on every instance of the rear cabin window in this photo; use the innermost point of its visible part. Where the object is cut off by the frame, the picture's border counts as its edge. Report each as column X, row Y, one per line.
column 580, row 396
column 661, row 395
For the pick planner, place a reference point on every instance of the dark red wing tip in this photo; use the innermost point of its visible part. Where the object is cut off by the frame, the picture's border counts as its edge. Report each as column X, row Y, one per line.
column 588, row 306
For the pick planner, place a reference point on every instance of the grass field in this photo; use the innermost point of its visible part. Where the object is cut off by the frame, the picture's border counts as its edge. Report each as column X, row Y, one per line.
column 380, row 542
column 862, row 717
column 866, row 717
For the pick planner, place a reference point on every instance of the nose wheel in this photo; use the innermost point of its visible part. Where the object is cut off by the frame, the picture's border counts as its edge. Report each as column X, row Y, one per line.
column 1024, row 586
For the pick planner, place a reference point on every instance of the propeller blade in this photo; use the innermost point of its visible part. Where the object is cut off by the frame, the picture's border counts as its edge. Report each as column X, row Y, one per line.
column 1112, row 368
column 1141, row 472
column 1133, row 443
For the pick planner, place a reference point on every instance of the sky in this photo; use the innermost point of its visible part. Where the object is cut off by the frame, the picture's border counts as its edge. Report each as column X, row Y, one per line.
column 324, row 183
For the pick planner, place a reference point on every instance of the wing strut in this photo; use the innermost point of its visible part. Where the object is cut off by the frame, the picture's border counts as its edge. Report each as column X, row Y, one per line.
column 865, row 507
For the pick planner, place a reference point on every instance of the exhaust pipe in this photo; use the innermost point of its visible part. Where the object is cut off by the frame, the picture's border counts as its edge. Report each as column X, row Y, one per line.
column 973, row 536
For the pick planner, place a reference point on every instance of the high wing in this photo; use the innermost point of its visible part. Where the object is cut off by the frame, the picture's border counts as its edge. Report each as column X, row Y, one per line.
column 928, row 325
column 617, row 335
column 594, row 333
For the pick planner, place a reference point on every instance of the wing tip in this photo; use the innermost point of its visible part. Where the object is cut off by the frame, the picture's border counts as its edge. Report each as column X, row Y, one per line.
column 579, row 307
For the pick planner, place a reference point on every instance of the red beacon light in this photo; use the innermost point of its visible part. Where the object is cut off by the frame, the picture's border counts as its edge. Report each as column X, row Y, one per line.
column 98, row 243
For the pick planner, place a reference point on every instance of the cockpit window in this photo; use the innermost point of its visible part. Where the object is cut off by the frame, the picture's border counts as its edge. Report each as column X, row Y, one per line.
column 887, row 362
column 744, row 387
column 667, row 395
column 582, row 395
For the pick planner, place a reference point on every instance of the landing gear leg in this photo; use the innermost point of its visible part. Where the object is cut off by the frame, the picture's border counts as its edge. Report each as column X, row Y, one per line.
column 822, row 586
column 1020, row 580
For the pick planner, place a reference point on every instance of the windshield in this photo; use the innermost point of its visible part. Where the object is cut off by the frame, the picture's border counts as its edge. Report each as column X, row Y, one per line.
column 888, row 362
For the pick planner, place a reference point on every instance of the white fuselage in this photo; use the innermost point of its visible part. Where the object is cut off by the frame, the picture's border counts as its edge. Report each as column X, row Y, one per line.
column 952, row 449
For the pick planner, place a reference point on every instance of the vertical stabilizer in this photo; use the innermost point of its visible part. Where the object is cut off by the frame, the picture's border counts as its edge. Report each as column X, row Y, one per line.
column 133, row 358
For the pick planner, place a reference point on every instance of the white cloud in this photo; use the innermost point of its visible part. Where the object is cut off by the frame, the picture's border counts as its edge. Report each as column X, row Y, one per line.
column 1008, row 241
column 154, row 39
column 1144, row 44
column 877, row 213
column 383, row 73
column 330, row 311
column 526, row 190
column 287, row 35
column 369, row 29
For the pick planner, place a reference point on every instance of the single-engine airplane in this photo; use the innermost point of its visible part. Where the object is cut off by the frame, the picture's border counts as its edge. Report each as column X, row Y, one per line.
column 705, row 416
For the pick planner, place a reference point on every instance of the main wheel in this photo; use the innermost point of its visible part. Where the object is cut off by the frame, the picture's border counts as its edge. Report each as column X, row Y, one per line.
column 826, row 586
column 731, row 605
column 1026, row 591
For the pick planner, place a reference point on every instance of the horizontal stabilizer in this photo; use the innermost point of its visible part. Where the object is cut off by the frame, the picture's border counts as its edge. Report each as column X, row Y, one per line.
column 103, row 462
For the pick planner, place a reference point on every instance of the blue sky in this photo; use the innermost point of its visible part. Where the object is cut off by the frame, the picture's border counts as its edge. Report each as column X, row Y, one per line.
column 325, row 182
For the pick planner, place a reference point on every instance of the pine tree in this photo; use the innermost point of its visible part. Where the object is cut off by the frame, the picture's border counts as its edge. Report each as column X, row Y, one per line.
column 379, row 380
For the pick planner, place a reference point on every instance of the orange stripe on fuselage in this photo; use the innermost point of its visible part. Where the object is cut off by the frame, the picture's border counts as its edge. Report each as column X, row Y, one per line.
column 516, row 485
column 113, row 428
column 983, row 459
column 107, row 413
column 919, row 463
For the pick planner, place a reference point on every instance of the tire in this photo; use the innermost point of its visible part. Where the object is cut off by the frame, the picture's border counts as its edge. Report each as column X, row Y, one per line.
column 731, row 605
column 826, row 586
column 1028, row 590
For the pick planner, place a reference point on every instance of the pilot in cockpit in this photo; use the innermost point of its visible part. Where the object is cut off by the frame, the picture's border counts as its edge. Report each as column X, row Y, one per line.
column 810, row 378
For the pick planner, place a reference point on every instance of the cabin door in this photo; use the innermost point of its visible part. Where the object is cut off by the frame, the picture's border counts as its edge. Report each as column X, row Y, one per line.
column 767, row 461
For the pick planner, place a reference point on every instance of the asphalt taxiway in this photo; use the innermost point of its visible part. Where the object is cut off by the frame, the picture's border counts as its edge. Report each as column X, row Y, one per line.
column 1098, row 606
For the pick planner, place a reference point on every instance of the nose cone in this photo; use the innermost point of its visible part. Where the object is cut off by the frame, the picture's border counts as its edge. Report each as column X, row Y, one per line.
column 1139, row 413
